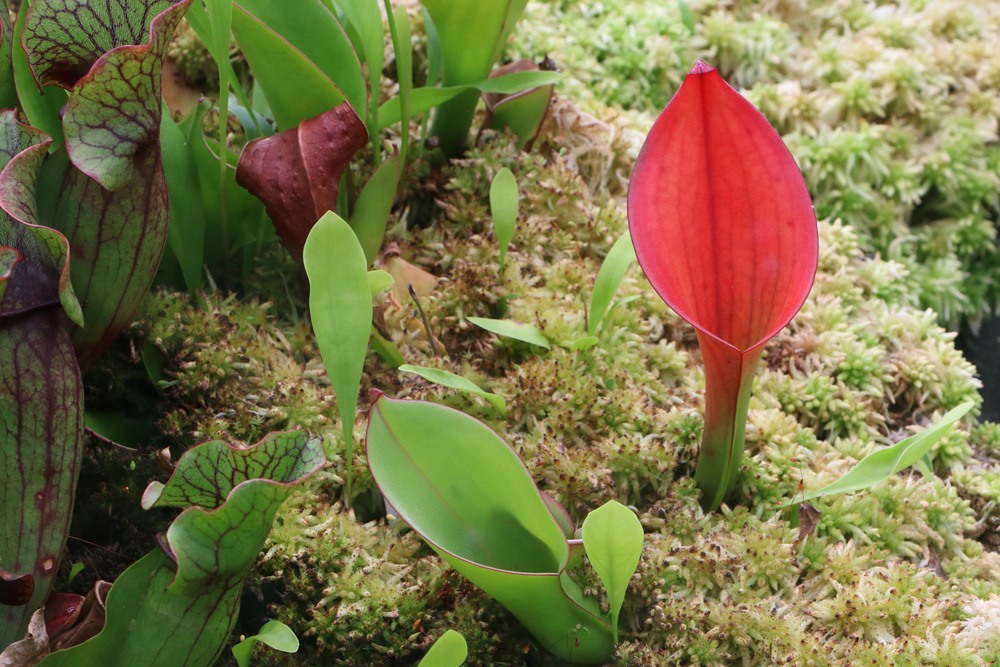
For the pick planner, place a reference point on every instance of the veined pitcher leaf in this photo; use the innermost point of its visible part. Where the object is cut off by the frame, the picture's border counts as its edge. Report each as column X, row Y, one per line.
column 469, row 496
column 41, row 394
column 503, row 206
column 609, row 277
column 887, row 461
column 340, row 305
column 177, row 607
column 612, row 536
column 450, row 650
column 113, row 203
column 713, row 168
column 527, row 333
column 453, row 381
column 296, row 173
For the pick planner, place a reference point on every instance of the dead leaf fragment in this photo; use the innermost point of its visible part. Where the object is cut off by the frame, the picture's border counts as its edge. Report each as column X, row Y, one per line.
column 808, row 520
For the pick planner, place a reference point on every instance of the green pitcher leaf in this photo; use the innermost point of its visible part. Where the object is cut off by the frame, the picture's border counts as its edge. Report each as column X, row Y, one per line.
column 275, row 634
column 41, row 394
column 882, row 463
column 503, row 206
column 609, row 277
column 527, row 333
column 612, row 536
column 113, row 202
column 466, row 492
column 522, row 113
column 177, row 607
column 453, row 381
column 450, row 650
column 340, row 305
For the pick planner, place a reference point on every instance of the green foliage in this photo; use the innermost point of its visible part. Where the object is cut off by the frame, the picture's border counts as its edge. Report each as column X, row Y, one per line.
column 527, row 333
column 177, row 606
column 275, row 634
column 503, row 207
column 340, row 307
column 879, row 465
column 449, row 379
column 497, row 531
column 449, row 650
column 612, row 536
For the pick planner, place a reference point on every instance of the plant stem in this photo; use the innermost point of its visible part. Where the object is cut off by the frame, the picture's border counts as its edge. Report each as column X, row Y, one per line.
column 729, row 375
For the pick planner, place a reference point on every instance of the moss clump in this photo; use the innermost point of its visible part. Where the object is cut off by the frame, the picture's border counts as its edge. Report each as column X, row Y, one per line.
column 890, row 110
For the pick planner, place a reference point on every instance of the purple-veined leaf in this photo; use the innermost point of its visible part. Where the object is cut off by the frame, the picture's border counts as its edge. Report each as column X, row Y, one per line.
column 112, row 203
column 41, row 394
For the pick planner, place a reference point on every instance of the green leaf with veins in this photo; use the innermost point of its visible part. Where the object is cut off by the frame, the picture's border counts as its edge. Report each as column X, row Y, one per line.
column 112, row 202
column 178, row 608
column 41, row 395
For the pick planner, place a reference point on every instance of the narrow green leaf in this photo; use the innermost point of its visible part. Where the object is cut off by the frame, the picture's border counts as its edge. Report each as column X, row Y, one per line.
column 453, row 381
column 426, row 98
column 365, row 20
column 612, row 536
column 583, row 343
column 186, row 234
column 371, row 210
column 296, row 88
column 340, row 305
column 503, row 206
column 75, row 569
column 450, row 650
column 882, row 463
column 612, row 272
column 527, row 333
column 387, row 350
column 399, row 26
column 275, row 634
